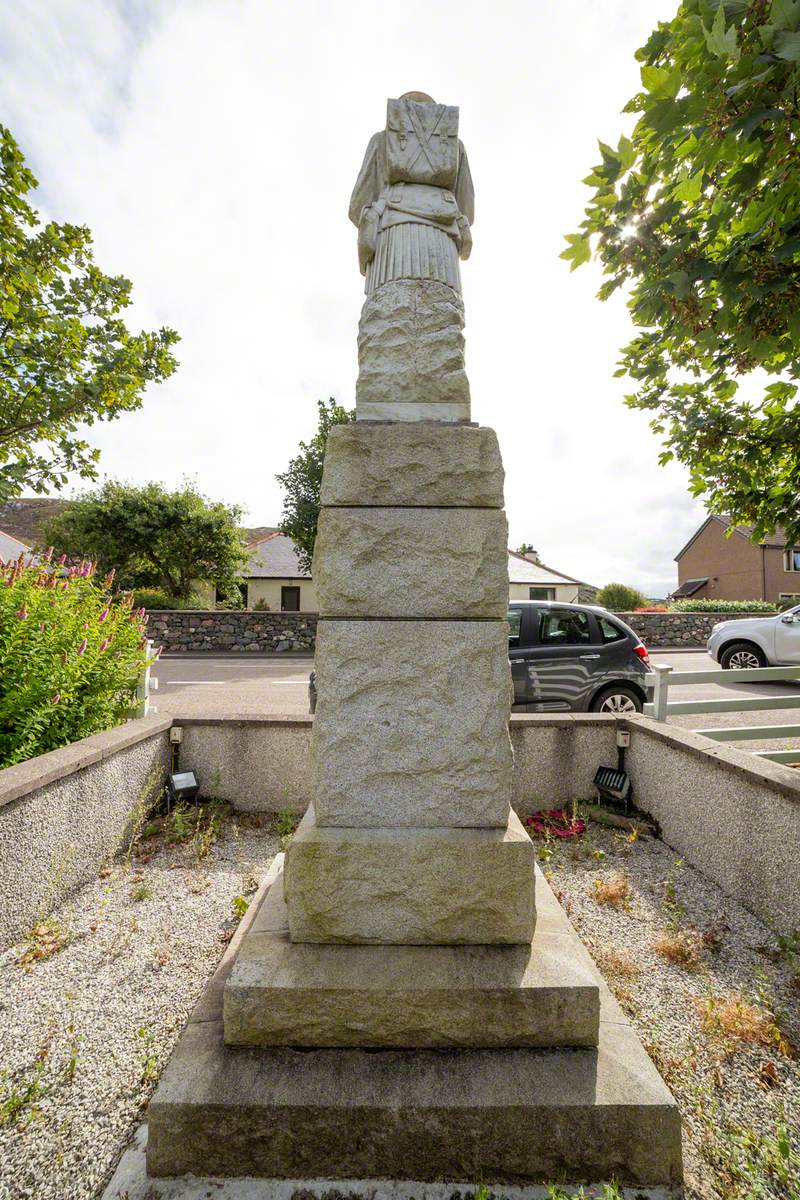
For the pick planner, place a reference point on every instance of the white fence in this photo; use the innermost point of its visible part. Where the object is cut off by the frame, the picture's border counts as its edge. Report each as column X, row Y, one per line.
column 147, row 684
column 663, row 678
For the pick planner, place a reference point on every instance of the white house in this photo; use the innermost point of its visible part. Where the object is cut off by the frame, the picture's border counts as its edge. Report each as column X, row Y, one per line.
column 11, row 548
column 531, row 580
column 274, row 579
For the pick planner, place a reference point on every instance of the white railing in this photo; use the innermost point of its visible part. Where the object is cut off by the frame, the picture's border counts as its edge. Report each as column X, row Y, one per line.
column 147, row 684
column 663, row 678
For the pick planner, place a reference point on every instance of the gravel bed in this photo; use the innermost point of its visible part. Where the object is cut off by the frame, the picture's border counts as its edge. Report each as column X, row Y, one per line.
column 85, row 1033
column 731, row 1067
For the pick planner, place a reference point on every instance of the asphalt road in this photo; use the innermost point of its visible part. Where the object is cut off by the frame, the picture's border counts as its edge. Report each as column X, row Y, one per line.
column 205, row 685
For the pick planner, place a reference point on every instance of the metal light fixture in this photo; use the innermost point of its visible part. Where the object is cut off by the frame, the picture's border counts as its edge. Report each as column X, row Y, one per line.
column 182, row 785
column 613, row 783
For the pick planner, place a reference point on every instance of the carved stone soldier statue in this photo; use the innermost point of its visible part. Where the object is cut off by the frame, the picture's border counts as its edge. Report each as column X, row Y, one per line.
column 413, row 204
column 413, row 201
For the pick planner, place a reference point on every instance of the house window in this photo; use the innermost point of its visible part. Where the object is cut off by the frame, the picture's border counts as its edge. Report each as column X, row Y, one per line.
column 541, row 593
column 791, row 559
column 290, row 599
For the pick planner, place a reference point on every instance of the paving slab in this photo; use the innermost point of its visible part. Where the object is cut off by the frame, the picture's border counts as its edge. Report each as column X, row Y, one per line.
column 414, row 886
column 282, row 993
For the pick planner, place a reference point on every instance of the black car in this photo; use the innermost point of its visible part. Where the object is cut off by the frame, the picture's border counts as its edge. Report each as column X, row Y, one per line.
column 574, row 657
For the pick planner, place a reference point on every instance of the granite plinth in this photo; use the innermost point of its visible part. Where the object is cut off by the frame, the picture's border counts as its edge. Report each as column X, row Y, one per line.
column 410, row 886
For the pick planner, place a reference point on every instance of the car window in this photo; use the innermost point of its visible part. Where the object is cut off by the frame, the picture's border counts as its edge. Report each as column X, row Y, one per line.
column 514, row 618
column 610, row 632
column 560, row 627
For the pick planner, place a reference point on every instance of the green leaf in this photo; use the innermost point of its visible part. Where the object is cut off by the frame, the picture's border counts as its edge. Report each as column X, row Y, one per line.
column 787, row 45
column 721, row 42
column 785, row 14
column 747, row 125
column 680, row 284
column 690, row 188
column 626, row 153
column 578, row 251
column 787, row 250
column 663, row 83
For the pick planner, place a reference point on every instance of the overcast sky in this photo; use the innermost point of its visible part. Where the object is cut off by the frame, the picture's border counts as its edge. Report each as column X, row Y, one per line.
column 211, row 146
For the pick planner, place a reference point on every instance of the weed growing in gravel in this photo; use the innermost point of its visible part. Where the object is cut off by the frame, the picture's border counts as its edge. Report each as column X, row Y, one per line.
column 16, row 1098
column 612, row 961
column 45, row 939
column 147, row 801
column 610, row 1191
column 240, row 906
column 141, row 891
column 615, row 891
column 683, row 947
column 208, row 828
column 149, row 1056
column 73, row 1047
column 284, row 825
column 733, row 1021
column 672, row 904
column 749, row 1164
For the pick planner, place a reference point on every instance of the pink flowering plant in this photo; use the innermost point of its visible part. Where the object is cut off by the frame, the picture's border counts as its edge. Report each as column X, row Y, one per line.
column 71, row 654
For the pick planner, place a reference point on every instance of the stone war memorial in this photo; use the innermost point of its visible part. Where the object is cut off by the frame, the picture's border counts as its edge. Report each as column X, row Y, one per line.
column 409, row 1001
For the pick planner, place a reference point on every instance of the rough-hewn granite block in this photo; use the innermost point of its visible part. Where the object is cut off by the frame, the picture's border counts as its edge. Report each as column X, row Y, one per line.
column 412, row 464
column 411, row 725
column 412, row 563
column 410, row 886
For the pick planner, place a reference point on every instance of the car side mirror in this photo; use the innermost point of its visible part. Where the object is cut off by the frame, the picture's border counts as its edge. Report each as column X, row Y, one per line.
column 788, row 618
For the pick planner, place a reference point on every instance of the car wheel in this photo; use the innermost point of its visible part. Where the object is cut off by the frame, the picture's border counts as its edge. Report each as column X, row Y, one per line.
column 742, row 656
column 619, row 700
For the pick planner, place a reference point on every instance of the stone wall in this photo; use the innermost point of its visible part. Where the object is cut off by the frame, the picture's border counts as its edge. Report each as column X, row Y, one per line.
column 184, row 630
column 189, row 630
column 64, row 815
column 662, row 631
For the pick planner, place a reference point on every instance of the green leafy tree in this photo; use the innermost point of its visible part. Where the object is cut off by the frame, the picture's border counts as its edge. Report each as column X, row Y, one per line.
column 699, row 212
column 302, row 480
column 153, row 538
column 66, row 358
column 618, row 597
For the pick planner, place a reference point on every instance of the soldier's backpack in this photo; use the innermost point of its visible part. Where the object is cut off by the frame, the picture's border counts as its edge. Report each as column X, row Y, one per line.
column 422, row 143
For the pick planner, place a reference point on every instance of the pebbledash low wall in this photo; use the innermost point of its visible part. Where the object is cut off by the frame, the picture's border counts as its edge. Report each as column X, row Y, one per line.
column 65, row 814
column 187, row 631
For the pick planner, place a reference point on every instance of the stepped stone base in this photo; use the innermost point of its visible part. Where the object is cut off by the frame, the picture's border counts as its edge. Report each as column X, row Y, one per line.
column 282, row 993
column 410, row 886
column 517, row 1116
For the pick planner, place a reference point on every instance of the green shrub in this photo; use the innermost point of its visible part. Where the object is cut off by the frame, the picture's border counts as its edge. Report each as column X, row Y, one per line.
column 723, row 606
column 618, row 597
column 70, row 656
column 155, row 598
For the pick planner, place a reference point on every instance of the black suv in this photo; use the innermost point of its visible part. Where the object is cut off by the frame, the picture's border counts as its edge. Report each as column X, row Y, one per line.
column 574, row 656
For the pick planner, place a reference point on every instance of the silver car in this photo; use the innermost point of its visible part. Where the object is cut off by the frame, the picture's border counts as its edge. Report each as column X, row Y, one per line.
column 574, row 657
column 757, row 641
